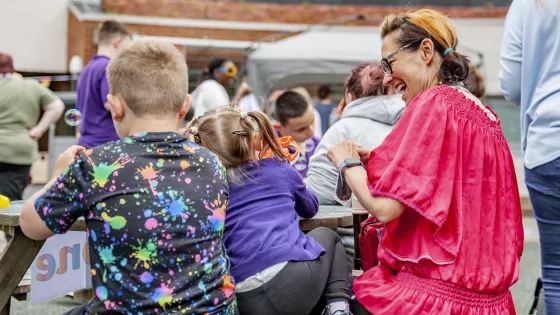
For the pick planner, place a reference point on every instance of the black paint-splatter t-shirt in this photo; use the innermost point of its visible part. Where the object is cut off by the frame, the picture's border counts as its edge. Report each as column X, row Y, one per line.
column 154, row 205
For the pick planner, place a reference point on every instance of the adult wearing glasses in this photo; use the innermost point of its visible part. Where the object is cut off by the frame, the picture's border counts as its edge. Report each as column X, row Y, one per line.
column 211, row 93
column 443, row 182
column 530, row 78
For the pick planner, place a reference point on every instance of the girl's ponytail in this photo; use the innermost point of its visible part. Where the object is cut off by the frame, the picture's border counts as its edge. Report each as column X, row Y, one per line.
column 268, row 135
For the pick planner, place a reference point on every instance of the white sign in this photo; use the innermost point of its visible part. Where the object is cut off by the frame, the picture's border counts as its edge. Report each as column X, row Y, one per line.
column 62, row 266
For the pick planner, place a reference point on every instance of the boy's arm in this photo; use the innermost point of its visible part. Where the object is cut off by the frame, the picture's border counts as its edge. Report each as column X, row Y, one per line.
column 306, row 202
column 49, row 211
column 29, row 220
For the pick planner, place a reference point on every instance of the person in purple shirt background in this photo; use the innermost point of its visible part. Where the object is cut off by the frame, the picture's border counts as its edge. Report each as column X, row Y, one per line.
column 277, row 268
column 97, row 127
column 296, row 118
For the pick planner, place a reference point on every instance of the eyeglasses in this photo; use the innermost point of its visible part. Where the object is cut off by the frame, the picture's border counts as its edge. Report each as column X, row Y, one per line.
column 229, row 70
column 386, row 65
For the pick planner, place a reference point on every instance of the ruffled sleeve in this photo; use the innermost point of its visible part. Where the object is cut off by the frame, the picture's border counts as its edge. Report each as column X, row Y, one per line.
column 417, row 164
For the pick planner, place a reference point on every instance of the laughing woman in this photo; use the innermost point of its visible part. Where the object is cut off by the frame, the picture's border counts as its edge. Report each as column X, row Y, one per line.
column 443, row 182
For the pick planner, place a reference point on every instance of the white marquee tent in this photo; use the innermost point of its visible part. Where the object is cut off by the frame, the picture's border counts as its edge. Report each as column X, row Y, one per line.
column 327, row 54
column 324, row 55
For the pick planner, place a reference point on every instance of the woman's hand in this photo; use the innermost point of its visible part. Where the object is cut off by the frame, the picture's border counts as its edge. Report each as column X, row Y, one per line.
column 341, row 151
column 364, row 153
column 66, row 158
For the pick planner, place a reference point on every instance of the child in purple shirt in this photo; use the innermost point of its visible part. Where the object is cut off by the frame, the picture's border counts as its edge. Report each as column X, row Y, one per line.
column 97, row 127
column 296, row 118
column 278, row 269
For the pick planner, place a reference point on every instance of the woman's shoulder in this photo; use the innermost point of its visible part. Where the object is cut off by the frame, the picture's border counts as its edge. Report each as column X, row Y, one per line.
column 442, row 91
column 440, row 97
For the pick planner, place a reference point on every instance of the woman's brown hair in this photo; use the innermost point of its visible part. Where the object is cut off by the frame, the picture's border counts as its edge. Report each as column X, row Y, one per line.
column 366, row 79
column 230, row 132
column 413, row 27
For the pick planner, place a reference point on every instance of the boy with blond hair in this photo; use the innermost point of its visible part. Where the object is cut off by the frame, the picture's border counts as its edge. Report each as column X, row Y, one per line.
column 154, row 203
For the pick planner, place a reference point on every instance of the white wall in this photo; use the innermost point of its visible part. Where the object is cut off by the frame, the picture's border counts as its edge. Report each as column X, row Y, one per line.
column 35, row 32
column 484, row 36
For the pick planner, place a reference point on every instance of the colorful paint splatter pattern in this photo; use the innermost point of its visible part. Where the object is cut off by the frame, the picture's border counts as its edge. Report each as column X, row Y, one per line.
column 154, row 205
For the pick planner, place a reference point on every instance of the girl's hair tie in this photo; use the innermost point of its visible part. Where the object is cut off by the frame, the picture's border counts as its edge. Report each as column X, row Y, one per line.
column 194, row 131
column 448, row 50
column 243, row 115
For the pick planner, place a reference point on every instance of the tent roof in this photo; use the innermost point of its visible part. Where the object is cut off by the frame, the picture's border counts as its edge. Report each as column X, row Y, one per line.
column 327, row 54
column 320, row 55
column 330, row 43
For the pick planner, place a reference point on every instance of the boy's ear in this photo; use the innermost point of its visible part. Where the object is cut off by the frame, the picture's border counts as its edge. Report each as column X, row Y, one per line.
column 186, row 107
column 117, row 107
column 116, row 41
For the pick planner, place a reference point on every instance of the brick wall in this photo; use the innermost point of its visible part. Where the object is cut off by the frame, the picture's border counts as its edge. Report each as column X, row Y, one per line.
column 80, row 39
column 261, row 12
column 80, row 34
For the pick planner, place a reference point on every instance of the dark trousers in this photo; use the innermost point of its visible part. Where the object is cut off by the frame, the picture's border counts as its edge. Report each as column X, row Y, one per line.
column 13, row 180
column 543, row 183
column 303, row 287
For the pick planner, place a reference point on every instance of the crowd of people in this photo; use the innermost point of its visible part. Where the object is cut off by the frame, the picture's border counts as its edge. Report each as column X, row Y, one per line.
column 201, row 216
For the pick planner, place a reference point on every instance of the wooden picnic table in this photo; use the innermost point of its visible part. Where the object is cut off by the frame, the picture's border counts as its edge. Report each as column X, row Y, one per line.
column 328, row 216
column 21, row 250
column 19, row 254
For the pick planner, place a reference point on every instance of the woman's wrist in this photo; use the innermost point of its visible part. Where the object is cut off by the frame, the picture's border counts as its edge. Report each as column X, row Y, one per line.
column 350, row 172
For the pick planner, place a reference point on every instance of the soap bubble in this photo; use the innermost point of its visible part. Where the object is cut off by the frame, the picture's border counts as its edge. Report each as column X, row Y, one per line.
column 261, row 101
column 73, row 117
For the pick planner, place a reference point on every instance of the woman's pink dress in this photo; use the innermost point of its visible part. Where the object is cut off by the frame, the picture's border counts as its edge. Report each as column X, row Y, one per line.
column 456, row 247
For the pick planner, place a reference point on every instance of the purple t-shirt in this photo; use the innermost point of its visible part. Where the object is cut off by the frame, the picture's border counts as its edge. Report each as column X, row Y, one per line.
column 262, row 219
column 306, row 151
column 97, row 126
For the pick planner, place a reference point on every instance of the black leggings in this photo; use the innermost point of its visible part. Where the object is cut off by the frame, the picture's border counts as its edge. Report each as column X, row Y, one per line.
column 302, row 286
column 13, row 180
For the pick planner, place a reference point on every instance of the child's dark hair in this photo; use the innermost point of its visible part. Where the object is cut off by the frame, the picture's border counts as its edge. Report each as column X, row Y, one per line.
column 230, row 132
column 289, row 105
column 209, row 70
column 324, row 92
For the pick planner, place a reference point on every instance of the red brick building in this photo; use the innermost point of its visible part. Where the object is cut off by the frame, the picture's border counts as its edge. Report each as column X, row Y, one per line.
column 224, row 27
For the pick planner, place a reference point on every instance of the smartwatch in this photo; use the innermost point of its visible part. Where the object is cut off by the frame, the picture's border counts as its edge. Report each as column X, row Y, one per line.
column 343, row 191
